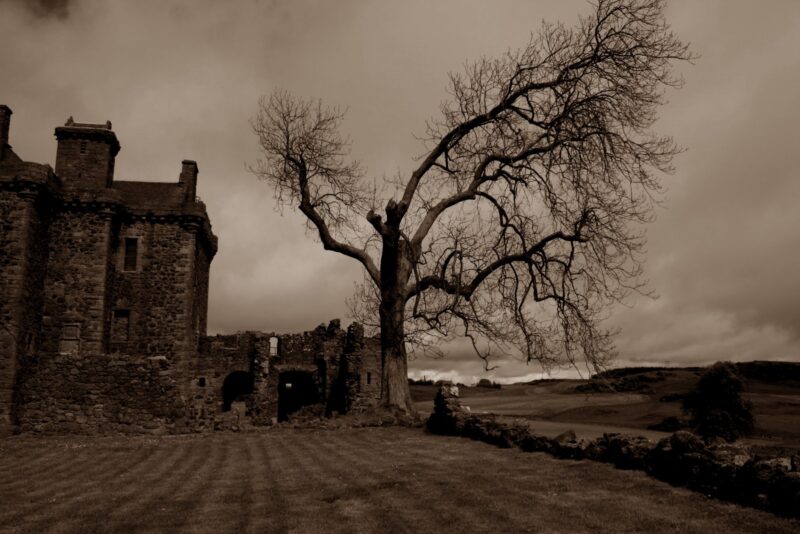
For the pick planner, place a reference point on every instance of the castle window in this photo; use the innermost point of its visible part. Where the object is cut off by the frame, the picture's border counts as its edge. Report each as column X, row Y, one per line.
column 84, row 145
column 201, row 381
column 273, row 346
column 120, row 326
column 369, row 378
column 131, row 254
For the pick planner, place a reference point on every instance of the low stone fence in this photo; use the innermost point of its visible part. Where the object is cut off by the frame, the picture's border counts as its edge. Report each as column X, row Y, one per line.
column 727, row 471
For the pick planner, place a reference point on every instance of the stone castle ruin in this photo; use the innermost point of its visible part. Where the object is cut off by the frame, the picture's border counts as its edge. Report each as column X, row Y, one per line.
column 103, row 306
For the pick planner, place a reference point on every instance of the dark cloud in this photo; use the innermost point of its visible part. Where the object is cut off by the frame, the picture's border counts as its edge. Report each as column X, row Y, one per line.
column 180, row 79
column 44, row 9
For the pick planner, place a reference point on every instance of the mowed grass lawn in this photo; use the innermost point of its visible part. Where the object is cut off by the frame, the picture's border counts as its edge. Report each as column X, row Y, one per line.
column 358, row 480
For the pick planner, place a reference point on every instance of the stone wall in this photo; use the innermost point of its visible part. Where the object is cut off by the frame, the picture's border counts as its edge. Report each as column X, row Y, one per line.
column 361, row 371
column 219, row 356
column 344, row 368
column 13, row 237
column 85, row 155
column 23, row 254
column 200, row 298
column 99, row 393
column 727, row 471
column 158, row 294
column 74, row 318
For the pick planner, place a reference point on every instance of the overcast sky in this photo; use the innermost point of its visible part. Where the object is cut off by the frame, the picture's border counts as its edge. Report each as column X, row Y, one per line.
column 180, row 79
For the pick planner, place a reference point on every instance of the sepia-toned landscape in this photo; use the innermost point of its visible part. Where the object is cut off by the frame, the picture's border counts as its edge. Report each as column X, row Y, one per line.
column 550, row 250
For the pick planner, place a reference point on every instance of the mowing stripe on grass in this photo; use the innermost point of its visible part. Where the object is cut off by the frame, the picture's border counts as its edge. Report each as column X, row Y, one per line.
column 361, row 478
column 107, row 496
column 207, row 486
column 442, row 478
column 270, row 506
column 62, row 492
column 300, row 484
column 358, row 489
column 146, row 476
column 155, row 489
column 386, row 480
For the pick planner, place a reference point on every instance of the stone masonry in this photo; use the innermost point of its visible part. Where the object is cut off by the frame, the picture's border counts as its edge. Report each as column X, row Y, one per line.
column 104, row 300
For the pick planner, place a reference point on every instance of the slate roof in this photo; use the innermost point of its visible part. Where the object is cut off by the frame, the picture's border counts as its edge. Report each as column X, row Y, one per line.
column 154, row 196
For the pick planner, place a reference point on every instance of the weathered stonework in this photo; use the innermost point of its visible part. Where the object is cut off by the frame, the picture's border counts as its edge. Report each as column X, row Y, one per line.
column 103, row 307
column 334, row 370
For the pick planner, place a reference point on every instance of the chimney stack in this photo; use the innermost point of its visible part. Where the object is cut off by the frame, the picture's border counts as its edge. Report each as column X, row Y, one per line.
column 188, row 179
column 5, row 124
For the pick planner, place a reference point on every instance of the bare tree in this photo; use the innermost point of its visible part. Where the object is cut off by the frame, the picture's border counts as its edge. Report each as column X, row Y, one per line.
column 519, row 225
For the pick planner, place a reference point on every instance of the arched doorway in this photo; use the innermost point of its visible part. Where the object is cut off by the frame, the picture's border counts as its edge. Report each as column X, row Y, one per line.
column 235, row 385
column 295, row 390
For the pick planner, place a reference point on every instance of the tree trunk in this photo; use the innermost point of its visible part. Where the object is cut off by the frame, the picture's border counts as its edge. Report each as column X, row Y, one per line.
column 395, row 393
column 395, row 271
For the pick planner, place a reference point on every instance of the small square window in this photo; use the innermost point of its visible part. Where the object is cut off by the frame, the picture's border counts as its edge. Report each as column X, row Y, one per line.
column 71, row 332
column 131, row 260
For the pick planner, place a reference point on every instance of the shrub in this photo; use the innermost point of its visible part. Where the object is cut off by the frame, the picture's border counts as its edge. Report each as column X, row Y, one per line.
column 486, row 383
column 716, row 406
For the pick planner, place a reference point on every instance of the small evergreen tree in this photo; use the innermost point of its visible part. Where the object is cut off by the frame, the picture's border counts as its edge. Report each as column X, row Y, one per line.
column 716, row 406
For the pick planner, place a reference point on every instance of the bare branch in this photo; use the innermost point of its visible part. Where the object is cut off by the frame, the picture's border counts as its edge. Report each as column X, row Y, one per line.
column 520, row 225
column 304, row 160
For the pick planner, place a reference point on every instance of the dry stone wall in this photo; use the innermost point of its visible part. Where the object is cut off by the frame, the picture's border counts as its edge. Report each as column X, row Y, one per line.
column 727, row 471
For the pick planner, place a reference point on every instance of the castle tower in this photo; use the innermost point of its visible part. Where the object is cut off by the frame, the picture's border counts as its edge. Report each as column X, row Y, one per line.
column 85, row 155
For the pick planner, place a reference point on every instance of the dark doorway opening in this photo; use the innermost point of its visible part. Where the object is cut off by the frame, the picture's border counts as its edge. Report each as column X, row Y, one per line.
column 296, row 389
column 235, row 385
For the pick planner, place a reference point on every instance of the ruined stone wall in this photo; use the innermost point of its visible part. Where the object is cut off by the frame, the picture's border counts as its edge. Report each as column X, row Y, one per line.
column 369, row 392
column 92, row 393
column 321, row 354
column 361, row 370
column 218, row 357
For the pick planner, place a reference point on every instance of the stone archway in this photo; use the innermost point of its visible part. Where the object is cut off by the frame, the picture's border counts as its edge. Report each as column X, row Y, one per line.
column 236, row 384
column 296, row 389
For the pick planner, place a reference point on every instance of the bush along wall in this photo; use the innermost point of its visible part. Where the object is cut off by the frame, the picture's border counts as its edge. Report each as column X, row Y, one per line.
column 727, row 471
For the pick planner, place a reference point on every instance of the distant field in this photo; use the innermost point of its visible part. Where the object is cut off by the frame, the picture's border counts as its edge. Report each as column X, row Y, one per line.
column 553, row 406
column 361, row 480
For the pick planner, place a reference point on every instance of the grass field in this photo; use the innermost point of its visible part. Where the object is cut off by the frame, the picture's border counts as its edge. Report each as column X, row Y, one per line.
column 553, row 406
column 358, row 480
